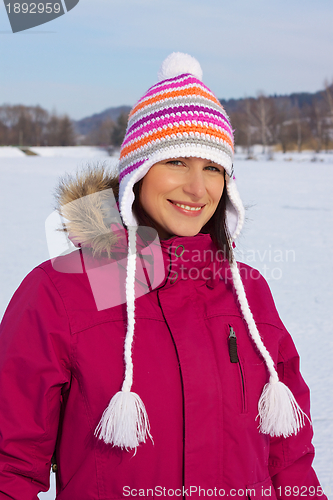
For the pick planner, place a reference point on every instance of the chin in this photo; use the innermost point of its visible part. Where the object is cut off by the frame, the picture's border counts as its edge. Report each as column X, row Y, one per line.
column 187, row 232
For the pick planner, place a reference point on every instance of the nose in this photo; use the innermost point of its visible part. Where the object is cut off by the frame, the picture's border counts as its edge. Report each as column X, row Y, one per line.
column 195, row 183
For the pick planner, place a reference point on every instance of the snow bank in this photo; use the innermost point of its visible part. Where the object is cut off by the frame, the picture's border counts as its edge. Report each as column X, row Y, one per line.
column 69, row 151
column 271, row 155
column 10, row 152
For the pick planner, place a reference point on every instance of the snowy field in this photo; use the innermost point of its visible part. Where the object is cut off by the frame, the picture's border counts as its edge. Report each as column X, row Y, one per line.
column 288, row 236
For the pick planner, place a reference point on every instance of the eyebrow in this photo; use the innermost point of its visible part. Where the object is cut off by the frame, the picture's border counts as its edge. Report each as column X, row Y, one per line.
column 210, row 161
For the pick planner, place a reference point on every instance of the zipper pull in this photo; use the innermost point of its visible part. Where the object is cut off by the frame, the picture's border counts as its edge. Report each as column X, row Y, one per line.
column 233, row 346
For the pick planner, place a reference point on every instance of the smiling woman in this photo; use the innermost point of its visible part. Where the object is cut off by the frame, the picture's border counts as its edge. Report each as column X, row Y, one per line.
column 181, row 195
column 224, row 408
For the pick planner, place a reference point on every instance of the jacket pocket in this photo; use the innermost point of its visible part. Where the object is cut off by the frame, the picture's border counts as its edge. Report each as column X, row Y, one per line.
column 235, row 358
column 264, row 490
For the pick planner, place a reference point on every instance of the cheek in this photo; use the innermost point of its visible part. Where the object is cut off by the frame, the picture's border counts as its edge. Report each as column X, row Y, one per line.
column 151, row 190
column 155, row 185
column 145, row 199
column 217, row 191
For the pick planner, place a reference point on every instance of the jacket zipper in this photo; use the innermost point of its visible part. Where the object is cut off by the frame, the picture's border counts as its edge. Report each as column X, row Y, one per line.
column 233, row 353
column 182, row 385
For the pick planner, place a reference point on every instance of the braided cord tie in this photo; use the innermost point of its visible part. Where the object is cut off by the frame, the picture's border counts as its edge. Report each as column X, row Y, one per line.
column 279, row 413
column 125, row 422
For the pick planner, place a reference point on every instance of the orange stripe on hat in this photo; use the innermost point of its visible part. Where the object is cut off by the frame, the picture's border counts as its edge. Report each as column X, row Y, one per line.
column 191, row 91
column 181, row 129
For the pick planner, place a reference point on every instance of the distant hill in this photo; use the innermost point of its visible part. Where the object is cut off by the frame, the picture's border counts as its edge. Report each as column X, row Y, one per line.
column 298, row 120
column 90, row 123
column 302, row 98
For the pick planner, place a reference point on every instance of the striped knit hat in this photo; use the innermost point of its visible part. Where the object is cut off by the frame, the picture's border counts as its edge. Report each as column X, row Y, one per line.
column 177, row 117
column 181, row 117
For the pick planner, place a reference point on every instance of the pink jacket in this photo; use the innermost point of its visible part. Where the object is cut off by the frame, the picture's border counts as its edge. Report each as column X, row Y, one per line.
column 61, row 360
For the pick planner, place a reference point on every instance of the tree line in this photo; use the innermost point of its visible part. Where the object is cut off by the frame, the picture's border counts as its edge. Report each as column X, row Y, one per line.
column 34, row 126
column 294, row 122
column 108, row 133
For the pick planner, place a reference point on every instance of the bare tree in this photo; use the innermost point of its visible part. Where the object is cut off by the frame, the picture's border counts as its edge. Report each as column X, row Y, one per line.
column 297, row 120
column 34, row 126
column 329, row 95
column 40, row 118
column 66, row 135
column 101, row 136
column 248, row 123
column 317, row 122
column 245, row 124
column 264, row 113
column 118, row 133
column 60, row 131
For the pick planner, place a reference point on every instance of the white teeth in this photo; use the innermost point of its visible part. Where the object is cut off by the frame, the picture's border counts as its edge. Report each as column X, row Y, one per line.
column 186, row 207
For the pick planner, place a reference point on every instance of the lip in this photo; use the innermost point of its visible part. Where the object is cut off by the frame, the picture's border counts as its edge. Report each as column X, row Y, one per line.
column 189, row 213
column 188, row 203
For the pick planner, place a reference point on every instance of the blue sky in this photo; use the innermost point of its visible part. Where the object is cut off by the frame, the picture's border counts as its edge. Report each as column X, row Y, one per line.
column 107, row 52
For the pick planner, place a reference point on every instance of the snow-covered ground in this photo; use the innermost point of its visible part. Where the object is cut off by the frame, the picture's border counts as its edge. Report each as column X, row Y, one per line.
column 55, row 152
column 69, row 151
column 10, row 152
column 288, row 236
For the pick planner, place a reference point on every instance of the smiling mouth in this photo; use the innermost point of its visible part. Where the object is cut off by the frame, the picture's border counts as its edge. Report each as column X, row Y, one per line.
column 187, row 207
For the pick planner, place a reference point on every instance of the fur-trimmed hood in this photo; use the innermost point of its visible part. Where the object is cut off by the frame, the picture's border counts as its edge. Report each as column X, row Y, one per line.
column 87, row 203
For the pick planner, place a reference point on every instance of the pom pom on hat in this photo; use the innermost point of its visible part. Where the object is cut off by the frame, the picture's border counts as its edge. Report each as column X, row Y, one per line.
column 178, row 63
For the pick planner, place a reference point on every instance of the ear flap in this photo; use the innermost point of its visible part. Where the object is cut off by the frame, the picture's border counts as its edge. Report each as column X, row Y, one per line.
column 235, row 212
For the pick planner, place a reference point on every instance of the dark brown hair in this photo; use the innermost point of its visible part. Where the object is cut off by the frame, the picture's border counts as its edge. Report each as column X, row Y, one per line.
column 216, row 226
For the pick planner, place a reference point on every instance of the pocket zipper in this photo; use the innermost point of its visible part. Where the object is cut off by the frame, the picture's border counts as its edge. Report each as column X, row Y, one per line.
column 233, row 353
column 233, row 346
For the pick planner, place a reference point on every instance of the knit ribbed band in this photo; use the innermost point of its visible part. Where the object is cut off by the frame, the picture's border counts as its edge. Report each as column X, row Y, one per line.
column 177, row 117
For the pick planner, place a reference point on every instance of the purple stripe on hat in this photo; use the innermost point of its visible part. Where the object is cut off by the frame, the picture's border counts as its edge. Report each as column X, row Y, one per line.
column 130, row 169
column 178, row 109
column 173, row 86
column 166, row 84
column 165, row 121
column 174, row 79
column 160, row 123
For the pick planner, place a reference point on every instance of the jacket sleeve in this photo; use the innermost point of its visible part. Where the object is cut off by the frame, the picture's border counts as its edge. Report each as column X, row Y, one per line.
column 291, row 458
column 34, row 374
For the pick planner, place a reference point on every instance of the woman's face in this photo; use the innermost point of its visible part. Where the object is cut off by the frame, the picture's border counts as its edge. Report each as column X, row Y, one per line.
column 182, row 194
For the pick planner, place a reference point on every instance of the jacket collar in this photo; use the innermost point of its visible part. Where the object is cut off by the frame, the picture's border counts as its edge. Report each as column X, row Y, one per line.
column 193, row 257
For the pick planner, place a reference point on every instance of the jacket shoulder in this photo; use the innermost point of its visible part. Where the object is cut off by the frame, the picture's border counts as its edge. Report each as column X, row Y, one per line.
column 89, row 288
column 259, row 296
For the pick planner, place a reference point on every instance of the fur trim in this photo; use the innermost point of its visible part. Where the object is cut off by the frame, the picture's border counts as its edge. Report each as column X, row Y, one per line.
column 84, row 200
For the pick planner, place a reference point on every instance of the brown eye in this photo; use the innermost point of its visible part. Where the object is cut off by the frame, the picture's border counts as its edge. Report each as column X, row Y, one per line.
column 175, row 162
column 212, row 168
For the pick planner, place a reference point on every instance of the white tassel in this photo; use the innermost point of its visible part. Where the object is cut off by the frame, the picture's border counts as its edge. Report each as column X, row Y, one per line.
column 124, row 422
column 279, row 412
